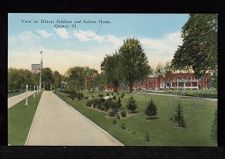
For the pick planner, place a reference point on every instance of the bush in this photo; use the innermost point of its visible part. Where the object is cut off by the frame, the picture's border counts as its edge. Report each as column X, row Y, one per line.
column 118, row 103
column 107, row 94
column 123, row 113
column 114, row 121
column 89, row 103
column 132, row 106
column 72, row 94
column 108, row 104
column 100, row 95
column 111, row 113
column 85, row 97
column 122, row 95
column 123, row 126
column 114, row 97
column 151, row 109
column 80, row 95
column 179, row 118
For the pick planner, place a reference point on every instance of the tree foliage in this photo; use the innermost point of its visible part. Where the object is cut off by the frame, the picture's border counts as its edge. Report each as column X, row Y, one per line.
column 57, row 79
column 110, row 68
column 46, row 78
column 131, row 105
column 133, row 62
column 179, row 117
column 151, row 109
column 199, row 49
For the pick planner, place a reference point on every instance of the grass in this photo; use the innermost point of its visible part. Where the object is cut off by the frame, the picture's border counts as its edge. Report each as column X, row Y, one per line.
column 20, row 118
column 15, row 93
column 198, row 115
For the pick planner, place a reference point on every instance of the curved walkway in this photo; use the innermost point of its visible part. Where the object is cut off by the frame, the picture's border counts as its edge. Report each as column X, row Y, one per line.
column 57, row 123
column 16, row 99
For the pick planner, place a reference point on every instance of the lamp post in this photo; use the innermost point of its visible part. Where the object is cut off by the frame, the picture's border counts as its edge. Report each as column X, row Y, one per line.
column 26, row 95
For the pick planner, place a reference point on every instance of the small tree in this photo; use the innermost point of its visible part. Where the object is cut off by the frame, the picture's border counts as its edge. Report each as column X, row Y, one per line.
column 179, row 118
column 132, row 106
column 118, row 103
column 151, row 109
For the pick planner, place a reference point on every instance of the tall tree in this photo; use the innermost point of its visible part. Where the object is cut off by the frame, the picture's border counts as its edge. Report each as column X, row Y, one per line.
column 199, row 49
column 110, row 68
column 57, row 79
column 47, row 78
column 159, row 70
column 133, row 62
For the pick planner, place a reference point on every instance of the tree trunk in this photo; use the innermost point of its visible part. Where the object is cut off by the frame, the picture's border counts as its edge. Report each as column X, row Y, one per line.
column 131, row 86
column 115, row 85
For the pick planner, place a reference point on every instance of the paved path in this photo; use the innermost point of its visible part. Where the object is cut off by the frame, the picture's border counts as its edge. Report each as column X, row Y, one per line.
column 161, row 94
column 57, row 123
column 16, row 99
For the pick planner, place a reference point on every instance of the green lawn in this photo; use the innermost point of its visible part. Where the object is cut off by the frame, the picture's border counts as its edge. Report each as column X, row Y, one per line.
column 198, row 115
column 15, row 93
column 20, row 118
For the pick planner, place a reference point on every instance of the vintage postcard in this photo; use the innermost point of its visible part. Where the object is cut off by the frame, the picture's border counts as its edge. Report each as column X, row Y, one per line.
column 112, row 79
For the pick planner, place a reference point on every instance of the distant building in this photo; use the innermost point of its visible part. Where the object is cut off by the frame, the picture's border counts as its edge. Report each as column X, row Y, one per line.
column 36, row 68
column 171, row 81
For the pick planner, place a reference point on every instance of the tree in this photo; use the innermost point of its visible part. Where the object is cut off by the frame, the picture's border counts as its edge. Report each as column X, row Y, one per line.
column 179, row 118
column 81, row 76
column 167, row 67
column 199, row 49
column 46, row 78
column 151, row 109
column 110, row 68
column 133, row 62
column 132, row 106
column 98, row 81
column 159, row 70
column 57, row 79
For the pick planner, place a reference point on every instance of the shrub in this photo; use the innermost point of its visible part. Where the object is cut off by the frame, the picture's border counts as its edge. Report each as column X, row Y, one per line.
column 80, row 95
column 151, row 109
column 122, row 95
column 108, row 104
column 123, row 113
column 89, row 103
column 179, row 118
column 72, row 94
column 123, row 126
column 132, row 106
column 107, row 94
column 100, row 95
column 114, row 97
column 102, row 107
column 118, row 103
column 114, row 121
column 112, row 93
column 111, row 113
column 85, row 97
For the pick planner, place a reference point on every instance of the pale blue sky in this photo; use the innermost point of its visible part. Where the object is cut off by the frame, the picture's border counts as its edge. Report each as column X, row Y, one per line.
column 159, row 35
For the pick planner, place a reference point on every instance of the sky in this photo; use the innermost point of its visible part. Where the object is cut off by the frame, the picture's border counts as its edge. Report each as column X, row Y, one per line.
column 89, row 37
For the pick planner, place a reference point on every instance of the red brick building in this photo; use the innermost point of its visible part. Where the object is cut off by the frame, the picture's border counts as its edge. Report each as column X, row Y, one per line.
column 171, row 81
